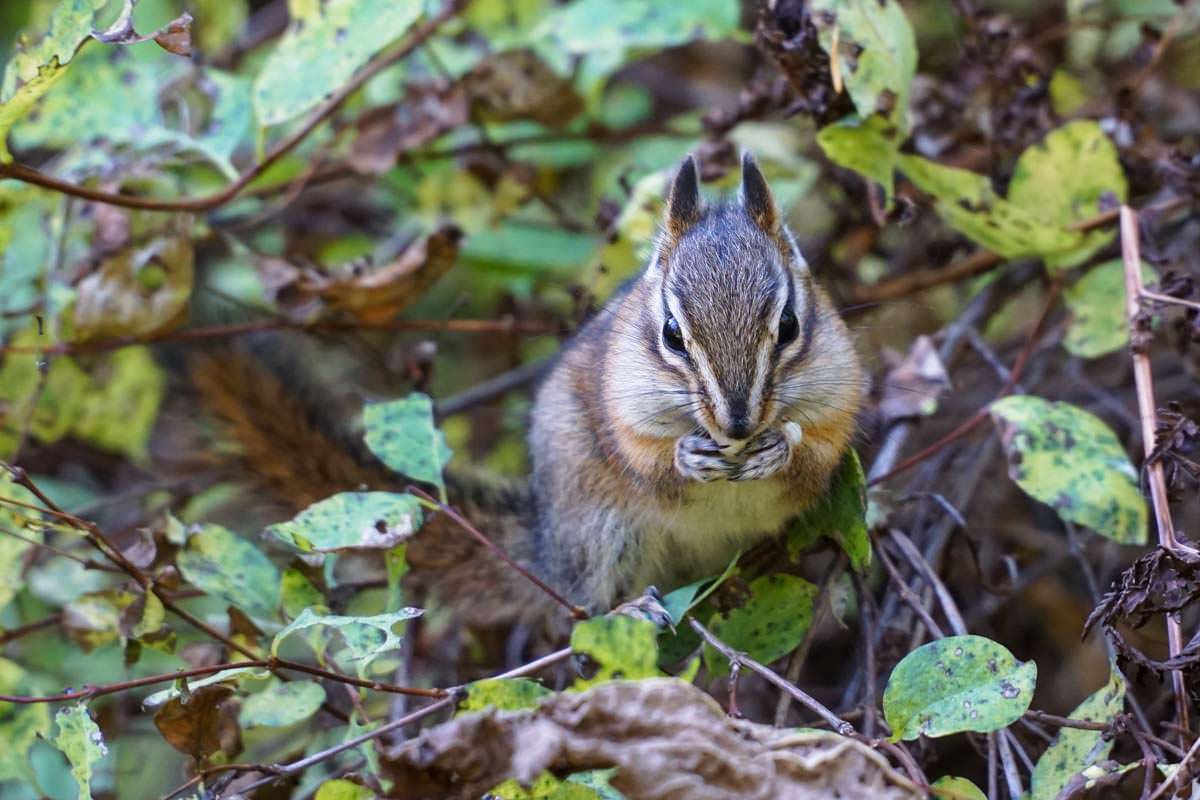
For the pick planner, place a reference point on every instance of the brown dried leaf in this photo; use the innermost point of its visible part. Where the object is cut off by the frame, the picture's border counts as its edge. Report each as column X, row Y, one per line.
column 667, row 739
column 518, row 85
column 202, row 723
column 365, row 293
column 1160, row 582
column 140, row 290
column 914, row 383
column 425, row 114
column 175, row 37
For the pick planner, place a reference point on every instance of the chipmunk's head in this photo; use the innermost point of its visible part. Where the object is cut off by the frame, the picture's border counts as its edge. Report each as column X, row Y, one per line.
column 740, row 328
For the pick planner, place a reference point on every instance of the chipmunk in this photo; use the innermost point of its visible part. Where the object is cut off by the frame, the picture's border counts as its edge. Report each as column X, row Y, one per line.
column 707, row 403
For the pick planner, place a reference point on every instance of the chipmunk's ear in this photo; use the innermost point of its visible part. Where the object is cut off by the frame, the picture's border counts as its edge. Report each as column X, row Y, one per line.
column 683, row 203
column 756, row 195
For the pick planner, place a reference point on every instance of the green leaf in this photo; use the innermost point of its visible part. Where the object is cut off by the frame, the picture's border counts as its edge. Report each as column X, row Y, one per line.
column 186, row 686
column 20, row 725
column 21, row 522
column 952, row 788
column 79, row 738
column 352, row 521
column 877, row 53
column 770, row 625
column 502, row 694
column 1099, row 324
column 342, row 789
column 365, row 637
column 610, row 34
column 622, row 647
column 966, row 201
column 281, row 704
column 298, row 593
column 119, row 411
column 546, row 787
column 25, row 241
column 220, row 563
column 867, row 146
column 36, row 66
column 325, row 44
column 1069, row 459
column 840, row 514
column 402, row 434
column 114, row 94
column 1073, row 750
column 960, row 683
column 1062, row 179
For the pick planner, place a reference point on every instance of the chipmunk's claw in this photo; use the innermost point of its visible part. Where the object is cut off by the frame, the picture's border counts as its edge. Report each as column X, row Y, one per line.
column 648, row 607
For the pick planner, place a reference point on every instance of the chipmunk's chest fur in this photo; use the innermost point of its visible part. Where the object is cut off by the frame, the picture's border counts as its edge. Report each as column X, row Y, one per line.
column 701, row 533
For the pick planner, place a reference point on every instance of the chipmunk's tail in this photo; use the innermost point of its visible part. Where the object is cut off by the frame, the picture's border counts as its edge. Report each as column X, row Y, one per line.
column 288, row 441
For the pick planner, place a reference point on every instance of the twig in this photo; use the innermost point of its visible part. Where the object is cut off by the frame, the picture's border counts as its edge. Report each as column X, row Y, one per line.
column 1065, row 722
column 1181, row 770
column 1014, row 376
column 575, row 611
column 207, row 202
column 1011, row 776
column 808, row 701
column 89, row 692
column 491, row 388
column 979, row 261
column 32, row 627
column 1144, row 382
column 1166, row 298
column 800, row 654
column 949, row 607
column 484, row 326
column 908, row 595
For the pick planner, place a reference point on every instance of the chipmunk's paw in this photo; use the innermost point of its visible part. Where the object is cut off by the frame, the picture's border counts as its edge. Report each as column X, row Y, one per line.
column 699, row 458
column 648, row 607
column 765, row 456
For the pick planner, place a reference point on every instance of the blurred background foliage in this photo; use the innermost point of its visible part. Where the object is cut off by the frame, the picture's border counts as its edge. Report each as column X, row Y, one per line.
column 543, row 131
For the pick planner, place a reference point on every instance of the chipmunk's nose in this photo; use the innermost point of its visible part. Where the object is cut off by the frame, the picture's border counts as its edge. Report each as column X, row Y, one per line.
column 739, row 420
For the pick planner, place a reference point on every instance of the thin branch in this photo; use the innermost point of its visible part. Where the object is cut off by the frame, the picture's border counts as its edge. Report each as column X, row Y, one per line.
column 89, row 692
column 1066, row 722
column 1144, row 382
column 907, row 594
column 808, row 701
column 575, row 611
column 479, row 326
column 207, row 202
column 979, row 261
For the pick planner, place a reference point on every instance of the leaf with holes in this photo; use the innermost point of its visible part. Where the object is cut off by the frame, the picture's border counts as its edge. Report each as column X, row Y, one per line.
column 1064, row 178
column 956, row 684
column 502, row 694
column 402, row 434
column 1069, row 459
column 1099, row 324
column 365, row 637
column 623, row 648
column 873, row 46
column 352, row 521
column 80, row 740
column 281, row 704
column 321, row 50
column 222, row 564
column 1073, row 750
column 770, row 625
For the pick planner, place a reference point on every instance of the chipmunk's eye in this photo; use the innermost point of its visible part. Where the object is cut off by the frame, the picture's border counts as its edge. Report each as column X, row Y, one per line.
column 789, row 328
column 673, row 336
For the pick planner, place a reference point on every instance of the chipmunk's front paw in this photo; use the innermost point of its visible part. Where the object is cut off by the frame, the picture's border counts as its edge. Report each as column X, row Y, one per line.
column 699, row 458
column 765, row 456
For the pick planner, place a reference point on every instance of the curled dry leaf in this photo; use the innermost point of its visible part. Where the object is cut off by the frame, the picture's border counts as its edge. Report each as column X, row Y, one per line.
column 1160, row 582
column 666, row 738
column 141, row 289
column 914, row 383
column 175, row 37
column 519, row 85
column 426, row 113
column 364, row 292
column 203, row 723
